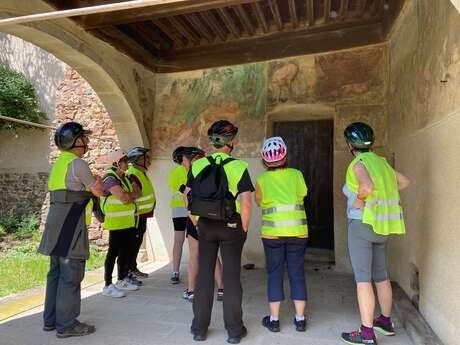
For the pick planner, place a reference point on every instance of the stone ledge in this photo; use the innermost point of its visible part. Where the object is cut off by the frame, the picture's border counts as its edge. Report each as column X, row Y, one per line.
column 415, row 325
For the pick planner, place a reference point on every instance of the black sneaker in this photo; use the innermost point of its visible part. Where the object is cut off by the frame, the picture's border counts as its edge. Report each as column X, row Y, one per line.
column 139, row 274
column 236, row 340
column 220, row 295
column 272, row 326
column 175, row 278
column 49, row 328
column 300, row 326
column 356, row 338
column 78, row 329
column 387, row 329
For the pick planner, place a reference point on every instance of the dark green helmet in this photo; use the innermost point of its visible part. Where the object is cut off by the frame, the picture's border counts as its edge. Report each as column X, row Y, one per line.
column 359, row 135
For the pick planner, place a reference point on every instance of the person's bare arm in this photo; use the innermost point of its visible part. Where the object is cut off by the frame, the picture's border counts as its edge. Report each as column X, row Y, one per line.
column 403, row 181
column 258, row 195
column 246, row 208
column 366, row 186
column 98, row 187
column 124, row 197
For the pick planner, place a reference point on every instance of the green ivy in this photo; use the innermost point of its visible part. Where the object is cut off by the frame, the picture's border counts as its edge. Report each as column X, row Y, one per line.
column 17, row 99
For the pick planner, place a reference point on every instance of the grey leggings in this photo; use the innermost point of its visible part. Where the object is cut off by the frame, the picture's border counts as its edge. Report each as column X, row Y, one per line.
column 367, row 252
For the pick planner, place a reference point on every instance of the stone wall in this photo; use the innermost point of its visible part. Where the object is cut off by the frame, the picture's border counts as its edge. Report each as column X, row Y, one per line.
column 424, row 119
column 78, row 102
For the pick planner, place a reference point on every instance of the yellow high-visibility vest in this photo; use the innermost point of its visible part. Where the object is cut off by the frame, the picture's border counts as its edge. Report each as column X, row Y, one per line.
column 382, row 208
column 176, row 178
column 118, row 216
column 57, row 177
column 283, row 211
column 146, row 202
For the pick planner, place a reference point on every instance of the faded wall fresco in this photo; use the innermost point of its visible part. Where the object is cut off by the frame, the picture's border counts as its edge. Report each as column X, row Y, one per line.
column 187, row 103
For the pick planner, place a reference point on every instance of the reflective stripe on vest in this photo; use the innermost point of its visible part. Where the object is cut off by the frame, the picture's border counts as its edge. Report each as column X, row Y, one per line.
column 117, row 215
column 283, row 213
column 382, row 209
column 146, row 201
column 58, row 175
column 282, row 208
column 234, row 171
column 284, row 223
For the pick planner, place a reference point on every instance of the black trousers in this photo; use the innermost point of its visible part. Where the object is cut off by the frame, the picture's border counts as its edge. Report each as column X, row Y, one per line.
column 120, row 249
column 230, row 240
column 137, row 242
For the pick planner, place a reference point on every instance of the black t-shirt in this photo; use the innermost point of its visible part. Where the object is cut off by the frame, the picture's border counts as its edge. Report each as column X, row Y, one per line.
column 244, row 185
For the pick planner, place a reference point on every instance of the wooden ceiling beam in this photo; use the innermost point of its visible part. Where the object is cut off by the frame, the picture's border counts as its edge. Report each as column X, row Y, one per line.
column 343, row 11
column 390, row 15
column 273, row 46
column 377, row 8
column 327, row 11
column 310, row 8
column 199, row 27
column 164, row 8
column 229, row 23
column 147, row 35
column 276, row 13
column 257, row 9
column 127, row 45
column 188, row 34
column 244, row 19
column 167, row 31
column 209, row 18
column 361, row 7
column 293, row 13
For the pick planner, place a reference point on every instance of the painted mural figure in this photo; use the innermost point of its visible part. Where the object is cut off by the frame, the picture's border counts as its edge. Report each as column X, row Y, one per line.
column 281, row 81
column 280, row 192
column 374, row 213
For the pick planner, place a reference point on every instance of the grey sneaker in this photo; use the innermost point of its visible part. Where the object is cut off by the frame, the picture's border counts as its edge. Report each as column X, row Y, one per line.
column 175, row 278
column 133, row 280
column 78, row 329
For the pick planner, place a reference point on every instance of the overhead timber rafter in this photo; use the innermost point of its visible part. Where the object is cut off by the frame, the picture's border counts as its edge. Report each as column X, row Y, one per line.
column 162, row 9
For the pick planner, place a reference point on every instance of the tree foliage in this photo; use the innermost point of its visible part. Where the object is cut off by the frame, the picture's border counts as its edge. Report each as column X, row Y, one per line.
column 17, row 99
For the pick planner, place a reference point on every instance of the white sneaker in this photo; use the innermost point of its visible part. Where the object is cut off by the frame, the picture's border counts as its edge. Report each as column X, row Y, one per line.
column 112, row 291
column 126, row 285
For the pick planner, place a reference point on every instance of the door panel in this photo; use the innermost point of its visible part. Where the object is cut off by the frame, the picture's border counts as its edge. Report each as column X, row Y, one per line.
column 310, row 149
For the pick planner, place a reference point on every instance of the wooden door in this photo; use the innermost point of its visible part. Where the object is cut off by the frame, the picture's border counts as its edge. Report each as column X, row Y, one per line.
column 310, row 149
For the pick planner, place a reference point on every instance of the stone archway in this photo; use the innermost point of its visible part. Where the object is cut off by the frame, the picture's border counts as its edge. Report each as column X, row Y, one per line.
column 114, row 77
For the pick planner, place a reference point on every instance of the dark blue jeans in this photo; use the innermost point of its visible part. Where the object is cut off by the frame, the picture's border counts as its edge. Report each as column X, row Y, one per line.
column 278, row 253
column 62, row 300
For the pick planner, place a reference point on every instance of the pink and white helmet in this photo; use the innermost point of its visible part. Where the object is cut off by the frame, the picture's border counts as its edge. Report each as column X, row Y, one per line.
column 274, row 152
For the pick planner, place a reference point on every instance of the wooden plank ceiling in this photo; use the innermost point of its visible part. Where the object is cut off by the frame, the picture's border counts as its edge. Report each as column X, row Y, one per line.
column 179, row 35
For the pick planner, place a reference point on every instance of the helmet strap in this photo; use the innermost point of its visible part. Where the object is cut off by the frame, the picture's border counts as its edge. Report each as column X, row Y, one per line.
column 141, row 165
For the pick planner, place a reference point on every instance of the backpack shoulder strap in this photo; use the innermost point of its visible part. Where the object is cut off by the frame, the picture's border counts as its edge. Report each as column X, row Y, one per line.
column 228, row 160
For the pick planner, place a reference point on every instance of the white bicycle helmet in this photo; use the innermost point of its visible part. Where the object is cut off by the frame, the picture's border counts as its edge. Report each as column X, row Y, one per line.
column 274, row 152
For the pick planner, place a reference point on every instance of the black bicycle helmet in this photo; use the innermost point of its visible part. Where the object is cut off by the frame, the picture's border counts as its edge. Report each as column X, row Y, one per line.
column 67, row 133
column 359, row 135
column 194, row 152
column 221, row 132
column 136, row 152
column 178, row 153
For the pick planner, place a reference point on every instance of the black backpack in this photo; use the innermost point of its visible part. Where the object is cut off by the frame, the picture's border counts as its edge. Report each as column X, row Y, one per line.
column 210, row 196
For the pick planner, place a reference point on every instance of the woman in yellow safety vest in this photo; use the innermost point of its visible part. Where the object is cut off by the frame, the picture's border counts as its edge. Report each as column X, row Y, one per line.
column 120, row 219
column 280, row 192
column 374, row 213
column 177, row 179
column 192, row 154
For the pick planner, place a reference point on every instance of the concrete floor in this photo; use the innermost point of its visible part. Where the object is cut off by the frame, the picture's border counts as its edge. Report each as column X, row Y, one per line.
column 157, row 315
